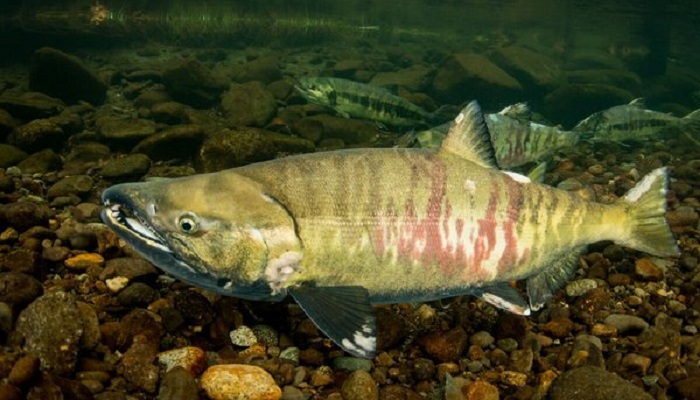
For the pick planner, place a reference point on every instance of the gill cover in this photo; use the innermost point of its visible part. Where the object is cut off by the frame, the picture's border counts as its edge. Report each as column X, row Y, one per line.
column 218, row 231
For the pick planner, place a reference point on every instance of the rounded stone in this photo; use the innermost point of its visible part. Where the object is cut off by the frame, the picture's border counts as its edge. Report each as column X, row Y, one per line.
column 235, row 382
column 191, row 359
column 360, row 386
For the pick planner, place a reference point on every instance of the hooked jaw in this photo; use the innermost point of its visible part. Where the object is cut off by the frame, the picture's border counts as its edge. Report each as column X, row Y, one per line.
column 131, row 221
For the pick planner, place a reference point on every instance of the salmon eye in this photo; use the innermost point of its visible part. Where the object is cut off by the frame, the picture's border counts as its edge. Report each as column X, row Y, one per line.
column 188, row 223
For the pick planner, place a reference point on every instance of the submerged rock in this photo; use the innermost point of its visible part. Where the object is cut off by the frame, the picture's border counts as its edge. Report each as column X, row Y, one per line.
column 64, row 76
column 234, row 381
column 191, row 83
column 52, row 327
column 592, row 383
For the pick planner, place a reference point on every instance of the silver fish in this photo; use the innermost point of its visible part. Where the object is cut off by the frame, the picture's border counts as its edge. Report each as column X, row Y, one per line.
column 516, row 139
column 359, row 100
column 340, row 231
column 634, row 121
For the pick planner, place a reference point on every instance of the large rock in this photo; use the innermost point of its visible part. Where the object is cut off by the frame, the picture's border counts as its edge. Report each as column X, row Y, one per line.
column 52, row 327
column 414, row 78
column 622, row 79
column 263, row 69
column 31, row 105
column 569, row 104
column 192, row 83
column 125, row 130
column 241, row 146
column 249, row 104
column 463, row 77
column 537, row 72
column 7, row 123
column 592, row 383
column 175, row 142
column 65, row 77
column 10, row 155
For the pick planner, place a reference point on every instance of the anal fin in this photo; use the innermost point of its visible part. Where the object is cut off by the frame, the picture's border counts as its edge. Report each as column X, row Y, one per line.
column 503, row 296
column 343, row 313
column 541, row 287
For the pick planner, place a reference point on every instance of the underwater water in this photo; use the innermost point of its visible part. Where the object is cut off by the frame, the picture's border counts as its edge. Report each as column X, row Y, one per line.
column 583, row 96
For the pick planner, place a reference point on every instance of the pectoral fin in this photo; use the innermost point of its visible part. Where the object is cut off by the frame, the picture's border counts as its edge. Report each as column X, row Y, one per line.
column 344, row 314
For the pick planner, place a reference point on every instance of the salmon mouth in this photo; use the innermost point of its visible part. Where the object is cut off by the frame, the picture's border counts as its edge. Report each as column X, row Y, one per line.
column 121, row 216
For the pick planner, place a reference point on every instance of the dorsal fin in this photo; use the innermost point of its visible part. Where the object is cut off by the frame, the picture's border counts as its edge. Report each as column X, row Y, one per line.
column 519, row 111
column 638, row 102
column 469, row 137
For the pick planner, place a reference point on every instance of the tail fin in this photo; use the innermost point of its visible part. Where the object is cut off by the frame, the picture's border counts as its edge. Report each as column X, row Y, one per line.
column 650, row 231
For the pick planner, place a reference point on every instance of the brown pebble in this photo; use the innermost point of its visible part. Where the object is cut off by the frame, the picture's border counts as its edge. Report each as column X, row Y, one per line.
column 92, row 385
column 618, row 279
column 311, row 357
column 559, row 327
column 321, row 376
column 603, row 330
column 644, row 268
column 360, row 386
column 81, row 262
column 445, row 345
column 236, row 381
column 513, row 378
column 636, row 363
column 481, row 390
column 10, row 392
column 191, row 359
column 24, row 370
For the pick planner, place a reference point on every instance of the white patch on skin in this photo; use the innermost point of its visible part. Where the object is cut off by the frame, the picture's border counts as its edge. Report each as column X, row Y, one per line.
column 459, row 118
column 517, row 177
column 490, row 265
column 470, row 185
column 268, row 198
column 279, row 270
column 256, row 234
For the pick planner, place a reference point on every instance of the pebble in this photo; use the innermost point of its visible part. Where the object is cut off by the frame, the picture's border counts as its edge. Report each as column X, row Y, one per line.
column 52, row 327
column 243, row 336
column 482, row 339
column 513, row 378
column 645, row 269
column 191, row 359
column 115, row 285
column 445, row 345
column 618, row 279
column 237, row 381
column 321, row 376
column 584, row 383
column 18, row 289
column 580, row 287
column 178, row 383
column 137, row 363
column 82, row 262
column 351, row 364
column 137, row 294
column 559, row 327
column 24, row 370
column 360, row 386
column 9, row 391
column 603, row 330
column 6, row 317
column 423, row 369
column 290, row 354
column 626, row 323
column 521, row 360
column 636, row 363
column 266, row 334
column 292, row 393
column 195, row 308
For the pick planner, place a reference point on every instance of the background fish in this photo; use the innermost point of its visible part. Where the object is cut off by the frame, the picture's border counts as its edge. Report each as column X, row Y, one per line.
column 341, row 230
column 516, row 139
column 634, row 121
column 359, row 100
